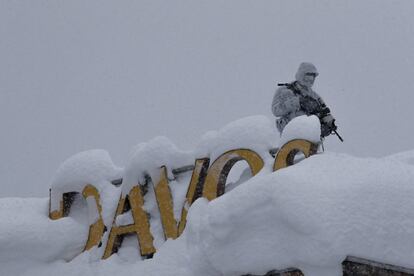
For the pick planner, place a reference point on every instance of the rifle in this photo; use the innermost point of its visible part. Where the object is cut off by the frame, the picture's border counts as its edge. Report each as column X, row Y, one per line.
column 323, row 109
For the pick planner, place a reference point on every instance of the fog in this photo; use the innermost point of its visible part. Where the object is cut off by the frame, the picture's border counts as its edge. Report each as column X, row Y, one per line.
column 79, row 75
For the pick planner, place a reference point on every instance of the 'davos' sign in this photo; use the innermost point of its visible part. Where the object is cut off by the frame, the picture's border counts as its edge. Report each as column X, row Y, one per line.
column 208, row 180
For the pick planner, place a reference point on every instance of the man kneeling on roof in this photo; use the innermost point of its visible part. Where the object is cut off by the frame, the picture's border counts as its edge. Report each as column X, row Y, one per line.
column 297, row 98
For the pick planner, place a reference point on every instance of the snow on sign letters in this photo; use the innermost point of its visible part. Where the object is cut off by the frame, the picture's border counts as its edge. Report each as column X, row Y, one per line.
column 129, row 216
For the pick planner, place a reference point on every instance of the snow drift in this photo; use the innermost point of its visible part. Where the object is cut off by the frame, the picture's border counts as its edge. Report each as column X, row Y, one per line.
column 309, row 216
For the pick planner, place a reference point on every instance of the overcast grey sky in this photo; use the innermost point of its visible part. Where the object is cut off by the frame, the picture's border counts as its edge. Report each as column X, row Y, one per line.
column 78, row 75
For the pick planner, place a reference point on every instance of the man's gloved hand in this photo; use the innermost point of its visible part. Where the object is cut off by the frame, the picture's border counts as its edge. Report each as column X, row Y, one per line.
column 328, row 120
column 325, row 111
column 327, row 125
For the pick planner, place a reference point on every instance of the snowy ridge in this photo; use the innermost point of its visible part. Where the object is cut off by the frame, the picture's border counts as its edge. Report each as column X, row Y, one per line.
column 309, row 216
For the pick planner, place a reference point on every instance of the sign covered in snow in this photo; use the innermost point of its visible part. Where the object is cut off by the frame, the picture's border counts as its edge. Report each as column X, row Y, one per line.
column 208, row 180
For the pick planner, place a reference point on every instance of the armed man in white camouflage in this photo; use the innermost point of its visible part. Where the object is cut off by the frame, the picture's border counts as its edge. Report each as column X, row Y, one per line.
column 297, row 98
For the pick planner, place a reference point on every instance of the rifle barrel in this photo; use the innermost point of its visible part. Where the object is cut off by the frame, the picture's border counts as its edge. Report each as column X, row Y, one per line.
column 339, row 136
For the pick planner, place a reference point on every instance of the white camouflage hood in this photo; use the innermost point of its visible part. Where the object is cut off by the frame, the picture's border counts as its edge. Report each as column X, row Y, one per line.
column 305, row 67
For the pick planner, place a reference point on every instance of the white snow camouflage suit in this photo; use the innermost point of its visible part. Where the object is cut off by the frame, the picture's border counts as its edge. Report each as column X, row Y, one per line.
column 290, row 102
